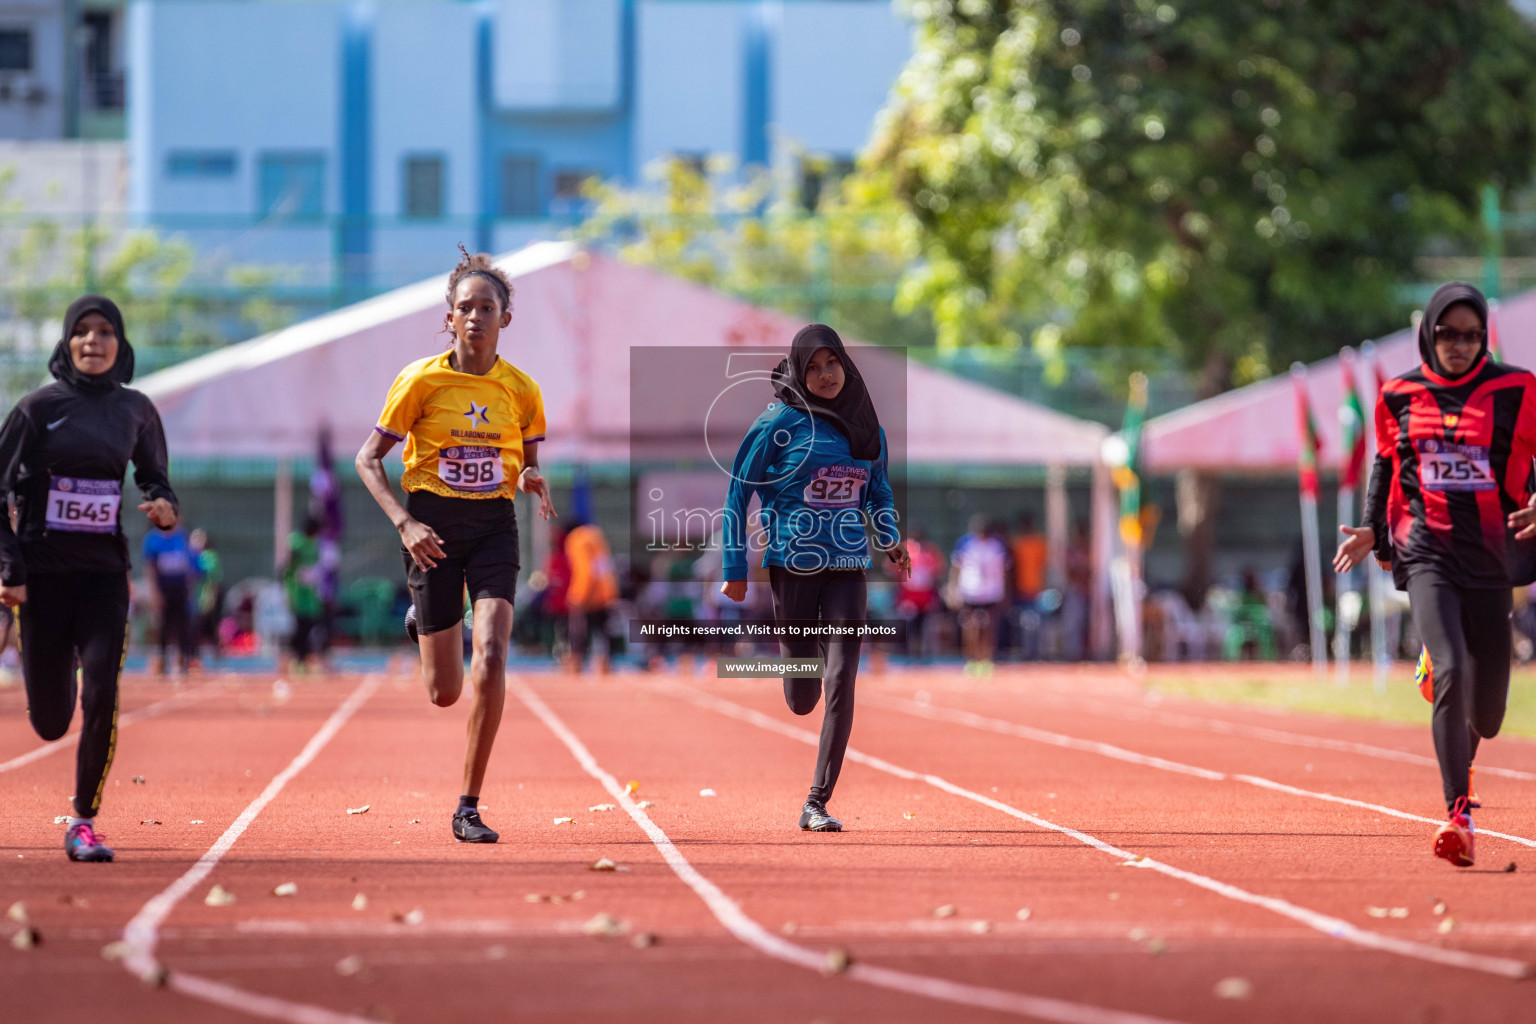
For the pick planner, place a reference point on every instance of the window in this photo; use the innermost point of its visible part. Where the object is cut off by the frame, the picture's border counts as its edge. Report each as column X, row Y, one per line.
column 424, row 186
column 520, row 186
column 15, row 49
column 568, row 184
column 292, row 185
column 194, row 163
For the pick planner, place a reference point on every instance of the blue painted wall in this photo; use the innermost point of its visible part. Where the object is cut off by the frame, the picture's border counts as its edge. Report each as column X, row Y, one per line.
column 567, row 87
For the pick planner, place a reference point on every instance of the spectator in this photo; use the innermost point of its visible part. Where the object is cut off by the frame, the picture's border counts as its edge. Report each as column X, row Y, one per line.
column 209, row 602
column 301, row 584
column 1031, row 557
column 979, row 575
column 1074, row 604
column 593, row 589
column 917, row 596
column 169, row 569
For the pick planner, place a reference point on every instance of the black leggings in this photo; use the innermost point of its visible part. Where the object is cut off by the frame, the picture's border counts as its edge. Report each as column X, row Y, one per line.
column 828, row 595
column 70, row 619
column 1467, row 634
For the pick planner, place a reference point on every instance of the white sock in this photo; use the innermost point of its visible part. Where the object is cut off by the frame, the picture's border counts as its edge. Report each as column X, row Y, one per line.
column 73, row 821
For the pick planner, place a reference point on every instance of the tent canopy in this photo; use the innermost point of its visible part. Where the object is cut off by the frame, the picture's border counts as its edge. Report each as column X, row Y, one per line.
column 577, row 316
column 1253, row 429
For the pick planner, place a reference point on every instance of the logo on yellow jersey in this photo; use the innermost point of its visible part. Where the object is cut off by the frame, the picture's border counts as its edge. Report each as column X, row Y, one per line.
column 478, row 412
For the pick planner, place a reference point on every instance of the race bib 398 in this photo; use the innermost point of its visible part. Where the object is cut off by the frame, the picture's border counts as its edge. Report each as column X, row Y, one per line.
column 1447, row 466
column 470, row 467
column 83, row 506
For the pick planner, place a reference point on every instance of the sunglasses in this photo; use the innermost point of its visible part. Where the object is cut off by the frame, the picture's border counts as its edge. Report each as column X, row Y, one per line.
column 1453, row 336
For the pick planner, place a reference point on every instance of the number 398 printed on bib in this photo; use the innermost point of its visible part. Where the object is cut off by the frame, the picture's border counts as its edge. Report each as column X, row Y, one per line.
column 471, row 468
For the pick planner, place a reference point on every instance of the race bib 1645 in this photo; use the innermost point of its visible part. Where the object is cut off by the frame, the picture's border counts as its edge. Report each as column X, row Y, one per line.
column 83, row 506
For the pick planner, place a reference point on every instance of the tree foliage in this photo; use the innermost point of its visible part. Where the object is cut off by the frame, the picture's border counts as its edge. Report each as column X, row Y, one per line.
column 1238, row 184
column 839, row 262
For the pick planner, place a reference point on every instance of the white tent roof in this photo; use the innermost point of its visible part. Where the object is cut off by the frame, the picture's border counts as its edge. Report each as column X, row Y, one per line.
column 1254, row 429
column 577, row 316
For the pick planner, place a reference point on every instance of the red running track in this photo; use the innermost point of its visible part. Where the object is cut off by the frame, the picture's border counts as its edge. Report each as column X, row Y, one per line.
column 1163, row 851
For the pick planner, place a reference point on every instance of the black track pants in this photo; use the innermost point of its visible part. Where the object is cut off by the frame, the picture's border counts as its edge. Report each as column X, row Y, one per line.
column 832, row 594
column 1467, row 633
column 176, row 628
column 69, row 616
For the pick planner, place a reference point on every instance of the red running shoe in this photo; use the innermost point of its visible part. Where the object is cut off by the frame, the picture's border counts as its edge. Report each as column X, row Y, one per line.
column 1453, row 840
column 1472, row 798
column 82, row 844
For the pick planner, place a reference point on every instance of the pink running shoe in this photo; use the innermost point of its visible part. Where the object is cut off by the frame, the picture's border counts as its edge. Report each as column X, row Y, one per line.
column 81, row 844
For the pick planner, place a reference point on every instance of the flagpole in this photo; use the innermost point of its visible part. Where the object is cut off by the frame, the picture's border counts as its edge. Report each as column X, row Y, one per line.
column 1346, row 602
column 1122, row 454
column 1310, row 548
column 1375, row 577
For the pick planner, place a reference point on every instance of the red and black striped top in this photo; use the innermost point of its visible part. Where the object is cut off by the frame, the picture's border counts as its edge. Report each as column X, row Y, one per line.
column 1453, row 460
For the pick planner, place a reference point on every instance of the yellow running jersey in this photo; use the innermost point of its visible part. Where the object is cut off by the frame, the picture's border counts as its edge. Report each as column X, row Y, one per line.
column 463, row 434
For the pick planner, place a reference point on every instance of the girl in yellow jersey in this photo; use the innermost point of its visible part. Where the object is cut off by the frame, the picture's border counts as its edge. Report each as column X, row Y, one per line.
column 471, row 423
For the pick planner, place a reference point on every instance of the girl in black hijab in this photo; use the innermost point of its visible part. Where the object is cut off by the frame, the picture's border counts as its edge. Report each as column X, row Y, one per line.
column 1447, row 511
column 817, row 460
column 64, row 449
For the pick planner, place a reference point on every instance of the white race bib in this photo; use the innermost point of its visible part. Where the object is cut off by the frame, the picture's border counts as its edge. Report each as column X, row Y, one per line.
column 1447, row 466
column 471, row 467
column 83, row 506
column 836, row 487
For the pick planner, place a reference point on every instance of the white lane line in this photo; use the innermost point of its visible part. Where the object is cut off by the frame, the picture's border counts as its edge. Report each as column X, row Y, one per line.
column 142, row 933
column 1331, row 926
column 128, row 718
column 967, row 718
column 753, row 934
column 1200, row 723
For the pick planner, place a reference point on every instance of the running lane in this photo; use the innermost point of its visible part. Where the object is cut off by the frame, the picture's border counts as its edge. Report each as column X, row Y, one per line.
column 1318, row 856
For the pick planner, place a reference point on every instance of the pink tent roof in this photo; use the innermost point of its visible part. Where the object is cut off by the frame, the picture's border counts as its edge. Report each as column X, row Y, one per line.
column 1253, row 429
column 577, row 316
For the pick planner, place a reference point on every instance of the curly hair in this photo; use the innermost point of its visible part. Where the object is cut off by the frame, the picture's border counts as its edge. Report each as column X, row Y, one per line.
column 480, row 265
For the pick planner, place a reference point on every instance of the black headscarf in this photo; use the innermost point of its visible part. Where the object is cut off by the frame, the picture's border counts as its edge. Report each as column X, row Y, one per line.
column 62, row 365
column 1446, row 296
column 850, row 413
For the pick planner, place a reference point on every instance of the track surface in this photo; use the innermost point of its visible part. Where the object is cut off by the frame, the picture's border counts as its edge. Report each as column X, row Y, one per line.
column 1257, row 866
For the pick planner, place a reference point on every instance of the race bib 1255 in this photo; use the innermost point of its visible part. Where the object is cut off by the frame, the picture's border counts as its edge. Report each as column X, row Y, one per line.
column 1447, row 466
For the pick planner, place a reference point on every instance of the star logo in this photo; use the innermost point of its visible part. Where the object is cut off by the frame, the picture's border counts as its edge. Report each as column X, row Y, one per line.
column 477, row 412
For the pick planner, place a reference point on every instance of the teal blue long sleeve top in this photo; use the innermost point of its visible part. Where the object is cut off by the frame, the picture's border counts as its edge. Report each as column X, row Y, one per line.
column 815, row 496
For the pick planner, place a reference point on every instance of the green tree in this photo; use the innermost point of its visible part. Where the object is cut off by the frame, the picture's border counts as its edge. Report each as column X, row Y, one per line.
column 1235, row 184
column 839, row 263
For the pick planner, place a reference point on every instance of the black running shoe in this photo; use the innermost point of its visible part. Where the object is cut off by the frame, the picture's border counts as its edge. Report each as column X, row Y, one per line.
column 410, row 625
column 468, row 828
column 814, row 818
column 82, row 844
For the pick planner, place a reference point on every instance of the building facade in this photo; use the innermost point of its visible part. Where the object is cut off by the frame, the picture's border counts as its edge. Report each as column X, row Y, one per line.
column 353, row 144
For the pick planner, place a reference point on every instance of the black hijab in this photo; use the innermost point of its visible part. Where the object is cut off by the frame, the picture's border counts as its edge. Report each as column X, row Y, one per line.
column 62, row 365
column 1446, row 296
column 850, row 413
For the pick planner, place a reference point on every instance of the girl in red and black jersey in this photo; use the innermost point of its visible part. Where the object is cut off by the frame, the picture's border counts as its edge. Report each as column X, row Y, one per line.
column 1449, row 490
column 63, row 451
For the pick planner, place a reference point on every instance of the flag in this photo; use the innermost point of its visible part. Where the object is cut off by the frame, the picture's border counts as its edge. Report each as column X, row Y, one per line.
column 325, row 509
column 1494, row 352
column 1306, row 430
column 1352, row 427
column 1128, row 477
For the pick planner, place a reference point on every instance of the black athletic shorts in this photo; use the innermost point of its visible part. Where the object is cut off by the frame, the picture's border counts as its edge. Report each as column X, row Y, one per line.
column 480, row 542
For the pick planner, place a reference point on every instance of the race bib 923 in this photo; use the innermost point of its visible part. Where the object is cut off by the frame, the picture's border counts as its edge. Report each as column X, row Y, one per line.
column 1448, row 466
column 83, row 506
column 470, row 467
column 836, row 487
